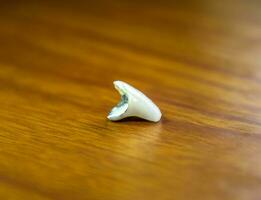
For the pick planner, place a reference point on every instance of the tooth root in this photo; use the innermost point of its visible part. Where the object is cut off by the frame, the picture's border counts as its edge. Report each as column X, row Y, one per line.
column 133, row 104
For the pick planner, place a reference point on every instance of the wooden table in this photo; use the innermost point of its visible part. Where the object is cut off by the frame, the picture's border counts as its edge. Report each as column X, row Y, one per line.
column 200, row 62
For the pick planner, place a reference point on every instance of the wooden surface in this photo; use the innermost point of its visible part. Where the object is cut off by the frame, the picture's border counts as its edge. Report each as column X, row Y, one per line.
column 200, row 63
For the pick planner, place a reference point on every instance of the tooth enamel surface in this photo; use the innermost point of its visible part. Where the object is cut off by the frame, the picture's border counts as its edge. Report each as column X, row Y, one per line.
column 133, row 104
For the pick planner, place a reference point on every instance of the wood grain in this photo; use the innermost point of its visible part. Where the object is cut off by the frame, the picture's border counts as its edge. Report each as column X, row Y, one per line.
column 198, row 60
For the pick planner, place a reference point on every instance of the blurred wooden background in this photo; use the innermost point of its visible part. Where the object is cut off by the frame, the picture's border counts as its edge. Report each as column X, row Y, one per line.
column 198, row 60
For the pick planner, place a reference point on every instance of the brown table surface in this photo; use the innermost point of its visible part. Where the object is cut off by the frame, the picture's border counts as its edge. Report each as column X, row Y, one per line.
column 200, row 62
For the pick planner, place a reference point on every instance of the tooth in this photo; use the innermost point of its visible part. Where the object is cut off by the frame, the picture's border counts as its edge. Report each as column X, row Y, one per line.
column 133, row 104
